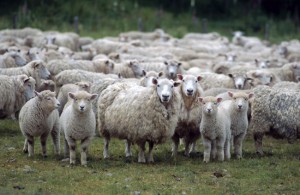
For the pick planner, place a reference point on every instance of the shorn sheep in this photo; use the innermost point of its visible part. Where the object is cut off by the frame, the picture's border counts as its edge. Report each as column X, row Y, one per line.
column 39, row 117
column 138, row 114
column 237, row 107
column 215, row 129
column 15, row 91
column 190, row 113
column 78, row 122
column 275, row 112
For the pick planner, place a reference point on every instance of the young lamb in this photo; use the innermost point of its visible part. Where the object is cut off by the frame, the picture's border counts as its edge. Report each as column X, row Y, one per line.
column 215, row 129
column 15, row 91
column 138, row 114
column 190, row 113
column 237, row 108
column 275, row 111
column 39, row 117
column 78, row 122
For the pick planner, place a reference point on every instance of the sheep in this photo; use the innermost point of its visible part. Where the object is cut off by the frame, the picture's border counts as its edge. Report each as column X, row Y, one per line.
column 129, row 69
column 237, row 108
column 78, row 122
column 146, row 80
column 288, row 72
column 39, row 117
column 46, row 85
column 57, row 66
column 287, row 85
column 275, row 112
column 11, row 59
column 62, row 96
column 259, row 77
column 240, row 80
column 36, row 69
column 21, row 33
column 15, row 91
column 190, row 114
column 152, row 115
column 215, row 129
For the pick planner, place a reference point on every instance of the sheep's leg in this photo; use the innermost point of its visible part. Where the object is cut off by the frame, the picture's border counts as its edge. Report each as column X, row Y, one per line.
column 55, row 135
column 84, row 146
column 207, row 149
column 13, row 116
column 141, row 158
column 213, row 153
column 258, row 143
column 238, row 141
column 193, row 147
column 25, row 148
column 30, row 140
column 66, row 149
column 72, row 147
column 106, row 144
column 43, row 143
column 227, row 149
column 128, row 148
column 175, row 145
column 220, row 149
column 150, row 155
column 187, row 147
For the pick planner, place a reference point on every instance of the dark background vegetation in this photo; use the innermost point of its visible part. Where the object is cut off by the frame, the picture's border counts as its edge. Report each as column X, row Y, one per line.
column 109, row 17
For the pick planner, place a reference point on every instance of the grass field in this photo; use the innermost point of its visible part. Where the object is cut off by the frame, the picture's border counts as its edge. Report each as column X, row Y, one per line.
column 276, row 173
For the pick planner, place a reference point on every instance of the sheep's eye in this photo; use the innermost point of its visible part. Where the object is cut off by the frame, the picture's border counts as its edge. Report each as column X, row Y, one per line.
column 172, row 86
column 246, row 99
column 234, row 98
column 76, row 99
column 158, row 85
column 146, row 77
column 215, row 103
column 182, row 80
column 196, row 81
column 203, row 102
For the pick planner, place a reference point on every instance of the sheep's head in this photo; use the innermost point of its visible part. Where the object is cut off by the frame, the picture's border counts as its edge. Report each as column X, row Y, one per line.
column 189, row 84
column 296, row 71
column 82, row 100
column 19, row 60
column 165, row 89
column 240, row 100
column 239, row 80
column 39, row 66
column 149, row 76
column 210, row 104
column 48, row 100
column 262, row 64
column 172, row 68
column 28, row 86
column 136, row 68
column 84, row 86
column 259, row 77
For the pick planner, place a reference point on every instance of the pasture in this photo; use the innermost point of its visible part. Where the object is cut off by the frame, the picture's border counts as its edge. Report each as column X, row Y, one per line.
column 278, row 172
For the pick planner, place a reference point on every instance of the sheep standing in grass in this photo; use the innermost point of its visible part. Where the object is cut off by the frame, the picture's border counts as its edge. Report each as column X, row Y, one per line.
column 78, row 122
column 237, row 108
column 39, row 117
column 190, row 113
column 276, row 112
column 15, row 91
column 138, row 114
column 215, row 129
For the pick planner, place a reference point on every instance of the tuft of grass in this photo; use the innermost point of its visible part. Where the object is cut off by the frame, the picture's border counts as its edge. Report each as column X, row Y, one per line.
column 276, row 173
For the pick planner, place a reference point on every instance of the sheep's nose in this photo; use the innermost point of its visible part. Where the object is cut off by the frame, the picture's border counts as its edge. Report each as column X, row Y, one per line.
column 190, row 90
column 240, row 86
column 165, row 97
column 209, row 109
column 81, row 107
column 240, row 106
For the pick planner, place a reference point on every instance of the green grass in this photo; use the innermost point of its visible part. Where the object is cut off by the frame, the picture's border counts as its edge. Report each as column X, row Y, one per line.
column 276, row 173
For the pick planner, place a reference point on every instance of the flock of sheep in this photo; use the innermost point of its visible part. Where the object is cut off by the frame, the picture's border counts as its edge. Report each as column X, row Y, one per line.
column 146, row 88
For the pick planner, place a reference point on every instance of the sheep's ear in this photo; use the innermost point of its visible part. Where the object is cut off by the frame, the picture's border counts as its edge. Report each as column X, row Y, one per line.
column 250, row 95
column 71, row 95
column 219, row 100
column 119, row 76
column 26, row 80
column 200, row 99
column 176, row 84
column 179, row 63
column 93, row 96
column 256, row 62
column 160, row 74
column 117, row 56
column 106, row 62
column 38, row 95
column 199, row 78
column 19, row 51
column 294, row 66
column 180, row 77
column 249, row 79
column 144, row 72
column 230, row 75
column 230, row 93
column 154, row 81
column 165, row 62
column 35, row 65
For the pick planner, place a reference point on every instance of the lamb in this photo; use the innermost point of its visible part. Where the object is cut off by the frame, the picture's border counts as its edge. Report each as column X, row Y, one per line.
column 15, row 91
column 36, row 69
column 39, row 117
column 237, row 108
column 275, row 112
column 129, row 69
column 11, row 59
column 215, row 129
column 152, row 115
column 62, row 96
column 190, row 114
column 78, row 122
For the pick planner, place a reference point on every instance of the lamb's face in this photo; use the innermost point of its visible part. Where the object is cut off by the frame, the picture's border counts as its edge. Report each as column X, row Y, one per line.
column 240, row 100
column 165, row 89
column 48, row 100
column 239, row 80
column 172, row 68
column 149, row 76
column 19, row 60
column 189, row 84
column 82, row 101
column 210, row 104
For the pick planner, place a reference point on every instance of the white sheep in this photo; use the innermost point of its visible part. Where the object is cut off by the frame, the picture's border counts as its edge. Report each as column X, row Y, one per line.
column 11, row 59
column 215, row 129
column 46, row 85
column 39, row 117
column 237, row 107
column 190, row 113
column 138, row 114
column 78, row 122
column 129, row 69
column 15, row 91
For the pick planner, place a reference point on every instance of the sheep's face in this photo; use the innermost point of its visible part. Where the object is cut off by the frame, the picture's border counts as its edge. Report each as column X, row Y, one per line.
column 35, row 54
column 84, row 86
column 239, row 80
column 262, row 64
column 28, row 85
column 165, row 89
column 42, row 71
column 189, row 84
column 82, row 101
column 109, row 64
column 210, row 104
column 172, row 68
column 48, row 100
column 149, row 76
column 261, row 78
column 19, row 60
column 296, row 71
column 240, row 100
column 136, row 68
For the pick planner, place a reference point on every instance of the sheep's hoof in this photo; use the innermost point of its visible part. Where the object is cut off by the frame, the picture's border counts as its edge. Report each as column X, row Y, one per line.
column 25, row 151
column 205, row 161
